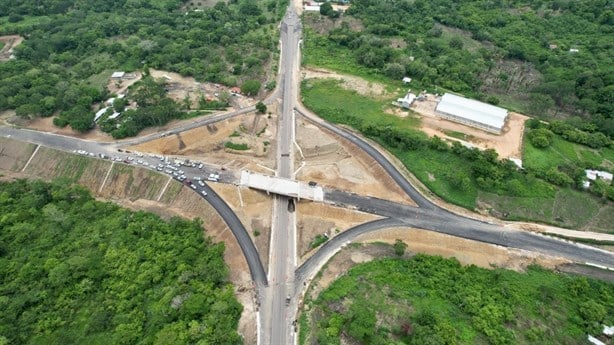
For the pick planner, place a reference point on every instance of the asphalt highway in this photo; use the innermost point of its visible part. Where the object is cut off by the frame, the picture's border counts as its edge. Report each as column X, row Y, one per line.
column 277, row 312
column 276, row 315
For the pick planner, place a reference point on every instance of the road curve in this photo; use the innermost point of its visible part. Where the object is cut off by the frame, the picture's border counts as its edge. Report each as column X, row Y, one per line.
column 248, row 248
column 375, row 154
column 66, row 143
column 312, row 266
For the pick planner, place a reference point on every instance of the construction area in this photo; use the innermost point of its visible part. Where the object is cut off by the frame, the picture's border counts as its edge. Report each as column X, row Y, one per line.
column 10, row 42
column 508, row 144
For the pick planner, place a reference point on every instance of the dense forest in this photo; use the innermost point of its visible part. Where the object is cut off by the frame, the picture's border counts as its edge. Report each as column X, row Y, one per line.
column 548, row 58
column 431, row 300
column 74, row 270
column 71, row 47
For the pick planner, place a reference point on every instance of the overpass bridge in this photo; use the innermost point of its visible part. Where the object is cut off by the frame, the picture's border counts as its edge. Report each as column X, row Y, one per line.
column 281, row 186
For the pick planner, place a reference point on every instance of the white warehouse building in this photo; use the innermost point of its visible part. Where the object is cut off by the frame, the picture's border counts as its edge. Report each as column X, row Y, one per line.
column 472, row 113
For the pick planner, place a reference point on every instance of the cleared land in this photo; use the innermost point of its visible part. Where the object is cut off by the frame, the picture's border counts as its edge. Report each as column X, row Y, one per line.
column 316, row 220
column 507, row 145
column 9, row 43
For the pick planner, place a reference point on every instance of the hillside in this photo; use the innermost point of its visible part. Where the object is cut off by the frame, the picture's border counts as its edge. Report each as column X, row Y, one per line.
column 550, row 59
column 431, row 300
column 78, row 271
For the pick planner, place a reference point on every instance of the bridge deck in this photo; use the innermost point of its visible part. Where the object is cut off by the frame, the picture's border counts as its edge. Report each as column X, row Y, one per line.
column 282, row 186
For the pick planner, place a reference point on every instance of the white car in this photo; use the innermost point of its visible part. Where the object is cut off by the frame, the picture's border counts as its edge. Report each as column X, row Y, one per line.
column 193, row 186
column 201, row 183
column 203, row 192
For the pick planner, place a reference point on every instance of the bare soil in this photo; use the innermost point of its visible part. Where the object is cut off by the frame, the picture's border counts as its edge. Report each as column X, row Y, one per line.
column 336, row 163
column 363, row 87
column 10, row 42
column 207, row 143
column 507, row 145
column 323, row 24
column 118, row 86
column 319, row 219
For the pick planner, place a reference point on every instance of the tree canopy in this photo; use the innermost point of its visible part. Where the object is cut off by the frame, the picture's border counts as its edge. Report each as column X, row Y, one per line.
column 471, row 47
column 431, row 300
column 78, row 271
column 71, row 48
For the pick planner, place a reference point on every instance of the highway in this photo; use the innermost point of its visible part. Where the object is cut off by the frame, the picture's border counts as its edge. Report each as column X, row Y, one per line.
column 284, row 278
column 278, row 312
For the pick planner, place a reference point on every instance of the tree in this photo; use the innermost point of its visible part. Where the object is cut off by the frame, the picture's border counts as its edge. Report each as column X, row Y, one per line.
column 250, row 87
column 394, row 70
column 326, row 9
column 456, row 43
column 261, row 107
column 399, row 247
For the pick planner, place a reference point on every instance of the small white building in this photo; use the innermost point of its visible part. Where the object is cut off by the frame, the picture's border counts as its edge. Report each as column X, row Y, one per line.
column 99, row 113
column 595, row 174
column 573, row 50
column 406, row 80
column 118, row 75
column 472, row 113
column 406, row 101
column 114, row 115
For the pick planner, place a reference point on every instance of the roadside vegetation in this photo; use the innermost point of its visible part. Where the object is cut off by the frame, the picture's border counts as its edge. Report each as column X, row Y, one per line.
column 236, row 146
column 457, row 174
column 431, row 300
column 69, row 46
column 78, row 271
column 543, row 58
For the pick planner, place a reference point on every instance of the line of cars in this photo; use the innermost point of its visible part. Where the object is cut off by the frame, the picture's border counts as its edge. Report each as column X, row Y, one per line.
column 171, row 168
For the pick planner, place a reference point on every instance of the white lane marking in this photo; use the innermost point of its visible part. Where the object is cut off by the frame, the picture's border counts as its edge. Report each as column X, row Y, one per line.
column 32, row 156
column 240, row 198
column 164, row 189
column 106, row 177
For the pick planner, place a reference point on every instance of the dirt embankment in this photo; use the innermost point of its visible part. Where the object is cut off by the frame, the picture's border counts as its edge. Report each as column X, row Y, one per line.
column 138, row 189
column 208, row 144
column 335, row 162
column 315, row 219
column 421, row 241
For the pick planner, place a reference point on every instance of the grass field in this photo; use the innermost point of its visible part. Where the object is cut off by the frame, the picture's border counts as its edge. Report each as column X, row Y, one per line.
column 568, row 208
column 326, row 97
column 561, row 152
column 539, row 200
column 431, row 300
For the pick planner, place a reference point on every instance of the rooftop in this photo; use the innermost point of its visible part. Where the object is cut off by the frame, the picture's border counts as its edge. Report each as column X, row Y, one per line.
column 472, row 110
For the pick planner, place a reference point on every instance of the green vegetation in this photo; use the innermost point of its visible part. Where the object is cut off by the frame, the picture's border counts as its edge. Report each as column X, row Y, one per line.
column 78, row 271
column 235, row 134
column 261, row 107
column 59, row 66
column 516, row 53
column 458, row 174
column 318, row 241
column 250, row 87
column 431, row 300
column 455, row 173
column 235, row 146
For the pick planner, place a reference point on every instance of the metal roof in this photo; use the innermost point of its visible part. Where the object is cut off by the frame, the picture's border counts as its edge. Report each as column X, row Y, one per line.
column 472, row 110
